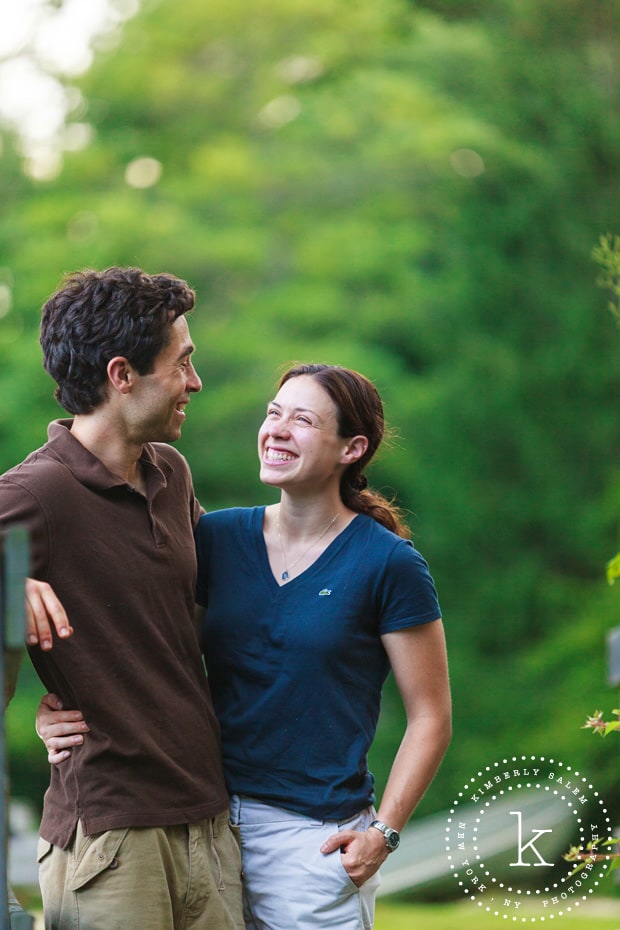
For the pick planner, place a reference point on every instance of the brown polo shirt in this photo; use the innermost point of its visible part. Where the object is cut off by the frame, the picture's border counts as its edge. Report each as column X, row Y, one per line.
column 124, row 567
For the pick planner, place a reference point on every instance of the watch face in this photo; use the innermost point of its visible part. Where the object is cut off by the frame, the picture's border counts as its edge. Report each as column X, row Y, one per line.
column 392, row 837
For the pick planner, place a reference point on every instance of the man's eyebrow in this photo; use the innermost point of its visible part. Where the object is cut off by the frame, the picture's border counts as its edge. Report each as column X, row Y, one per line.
column 187, row 350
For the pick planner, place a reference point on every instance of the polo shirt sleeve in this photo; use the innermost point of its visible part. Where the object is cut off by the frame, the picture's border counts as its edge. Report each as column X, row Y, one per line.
column 197, row 511
column 202, row 536
column 407, row 596
column 18, row 505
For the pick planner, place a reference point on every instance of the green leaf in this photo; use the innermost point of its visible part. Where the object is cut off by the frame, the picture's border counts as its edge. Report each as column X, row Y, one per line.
column 615, row 864
column 613, row 568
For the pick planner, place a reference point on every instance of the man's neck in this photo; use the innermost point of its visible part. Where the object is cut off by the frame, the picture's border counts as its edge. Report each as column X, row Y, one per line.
column 97, row 433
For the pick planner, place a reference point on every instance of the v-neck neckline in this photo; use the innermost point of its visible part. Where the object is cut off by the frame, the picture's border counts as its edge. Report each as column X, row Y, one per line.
column 338, row 540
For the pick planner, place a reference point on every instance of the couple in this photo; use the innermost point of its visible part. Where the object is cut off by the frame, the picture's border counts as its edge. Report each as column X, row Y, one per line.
column 306, row 605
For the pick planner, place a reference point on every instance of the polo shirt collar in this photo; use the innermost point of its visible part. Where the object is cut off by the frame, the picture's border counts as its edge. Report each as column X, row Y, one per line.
column 90, row 470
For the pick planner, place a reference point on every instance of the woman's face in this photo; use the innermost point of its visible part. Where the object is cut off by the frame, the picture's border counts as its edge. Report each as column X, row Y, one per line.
column 298, row 443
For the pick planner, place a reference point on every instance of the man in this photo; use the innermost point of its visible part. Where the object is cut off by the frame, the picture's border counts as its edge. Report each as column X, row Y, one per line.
column 134, row 832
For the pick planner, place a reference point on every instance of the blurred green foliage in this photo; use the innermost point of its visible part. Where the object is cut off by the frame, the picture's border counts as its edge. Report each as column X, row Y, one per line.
column 400, row 915
column 414, row 190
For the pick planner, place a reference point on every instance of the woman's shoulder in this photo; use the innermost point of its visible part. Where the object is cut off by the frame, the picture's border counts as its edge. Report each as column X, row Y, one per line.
column 383, row 545
column 243, row 517
column 379, row 534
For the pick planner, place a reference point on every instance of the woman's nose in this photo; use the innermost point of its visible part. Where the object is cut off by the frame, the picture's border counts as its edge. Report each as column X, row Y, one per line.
column 279, row 426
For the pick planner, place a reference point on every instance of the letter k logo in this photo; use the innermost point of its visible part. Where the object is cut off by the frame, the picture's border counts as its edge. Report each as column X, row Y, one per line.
column 530, row 843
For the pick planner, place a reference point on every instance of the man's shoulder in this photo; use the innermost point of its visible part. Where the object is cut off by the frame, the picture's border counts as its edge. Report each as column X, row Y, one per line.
column 46, row 461
column 38, row 467
column 36, row 485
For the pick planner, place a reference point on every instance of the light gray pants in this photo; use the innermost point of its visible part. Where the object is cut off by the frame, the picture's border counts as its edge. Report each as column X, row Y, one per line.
column 289, row 884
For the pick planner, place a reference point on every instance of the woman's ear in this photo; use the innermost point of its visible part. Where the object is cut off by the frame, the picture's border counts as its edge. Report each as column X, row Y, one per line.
column 354, row 450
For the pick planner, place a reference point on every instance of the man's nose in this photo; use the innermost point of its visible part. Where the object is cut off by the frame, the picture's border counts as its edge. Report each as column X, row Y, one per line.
column 194, row 383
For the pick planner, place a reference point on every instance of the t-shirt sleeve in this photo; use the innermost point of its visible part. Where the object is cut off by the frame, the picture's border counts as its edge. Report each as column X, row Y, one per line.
column 407, row 594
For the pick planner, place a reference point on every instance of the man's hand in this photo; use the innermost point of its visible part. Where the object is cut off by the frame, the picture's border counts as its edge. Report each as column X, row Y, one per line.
column 44, row 613
column 59, row 729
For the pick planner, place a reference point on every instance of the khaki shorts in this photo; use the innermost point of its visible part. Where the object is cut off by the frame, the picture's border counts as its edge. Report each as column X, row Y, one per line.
column 184, row 877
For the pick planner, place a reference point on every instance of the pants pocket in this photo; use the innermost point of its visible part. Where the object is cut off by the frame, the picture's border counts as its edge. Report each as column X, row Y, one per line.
column 93, row 855
column 43, row 849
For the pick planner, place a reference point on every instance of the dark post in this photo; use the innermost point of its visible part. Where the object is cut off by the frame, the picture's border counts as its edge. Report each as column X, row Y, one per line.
column 14, row 563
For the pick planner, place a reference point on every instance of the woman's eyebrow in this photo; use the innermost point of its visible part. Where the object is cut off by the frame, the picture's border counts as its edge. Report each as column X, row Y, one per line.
column 313, row 413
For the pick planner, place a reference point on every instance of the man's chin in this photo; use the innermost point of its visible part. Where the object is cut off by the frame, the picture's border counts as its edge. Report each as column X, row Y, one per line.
column 171, row 435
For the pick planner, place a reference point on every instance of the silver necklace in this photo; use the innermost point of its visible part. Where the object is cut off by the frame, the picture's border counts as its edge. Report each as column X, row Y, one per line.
column 289, row 568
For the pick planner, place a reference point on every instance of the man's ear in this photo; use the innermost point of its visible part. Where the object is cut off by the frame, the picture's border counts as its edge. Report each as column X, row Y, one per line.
column 121, row 374
column 355, row 449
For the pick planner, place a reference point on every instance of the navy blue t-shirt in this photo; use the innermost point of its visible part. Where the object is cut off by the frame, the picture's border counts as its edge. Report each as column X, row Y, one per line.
column 296, row 671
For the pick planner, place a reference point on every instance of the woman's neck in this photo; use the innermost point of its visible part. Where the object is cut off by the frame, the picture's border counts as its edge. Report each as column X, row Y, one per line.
column 303, row 518
column 297, row 532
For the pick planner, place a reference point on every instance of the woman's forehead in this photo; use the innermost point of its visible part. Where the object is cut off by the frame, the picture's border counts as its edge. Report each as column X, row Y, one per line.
column 305, row 392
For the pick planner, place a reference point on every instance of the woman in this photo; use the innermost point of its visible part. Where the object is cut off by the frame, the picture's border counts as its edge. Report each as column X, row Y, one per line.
column 308, row 605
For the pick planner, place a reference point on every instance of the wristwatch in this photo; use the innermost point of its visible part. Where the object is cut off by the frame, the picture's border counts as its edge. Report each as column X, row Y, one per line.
column 392, row 837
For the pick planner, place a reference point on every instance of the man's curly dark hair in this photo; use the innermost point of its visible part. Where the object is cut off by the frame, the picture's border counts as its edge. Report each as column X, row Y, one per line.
column 98, row 315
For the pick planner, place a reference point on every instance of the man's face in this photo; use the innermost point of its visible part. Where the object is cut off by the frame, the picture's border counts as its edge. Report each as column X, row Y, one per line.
column 159, row 399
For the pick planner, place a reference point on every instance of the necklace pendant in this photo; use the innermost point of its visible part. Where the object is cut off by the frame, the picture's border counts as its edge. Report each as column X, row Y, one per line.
column 284, row 575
